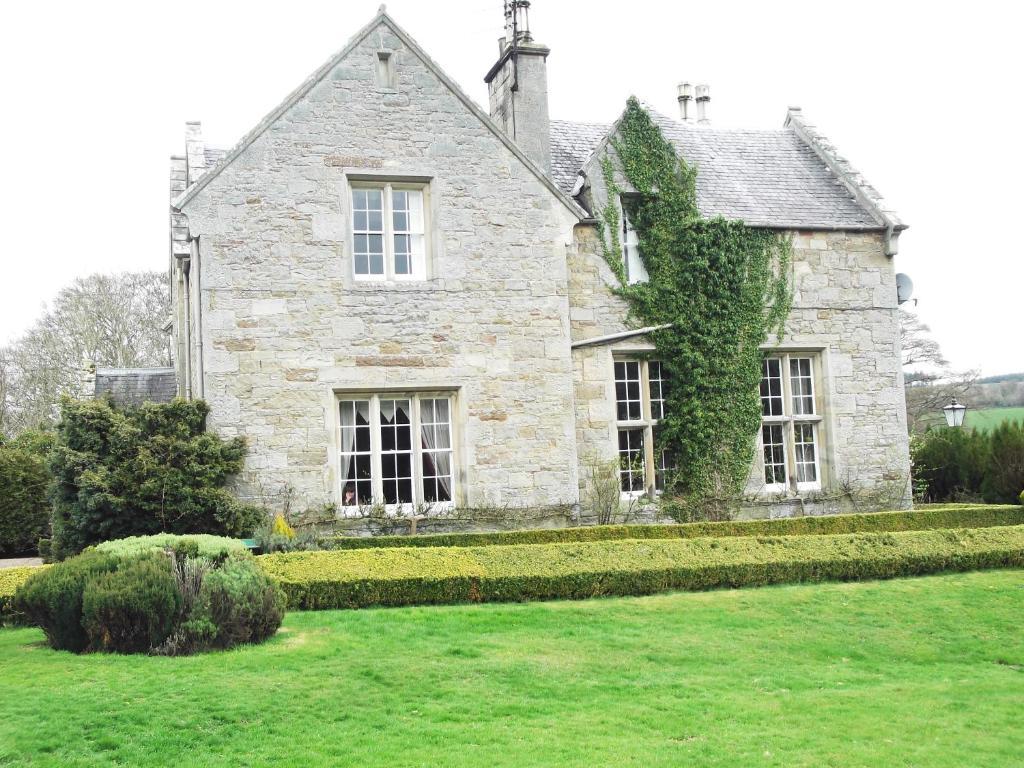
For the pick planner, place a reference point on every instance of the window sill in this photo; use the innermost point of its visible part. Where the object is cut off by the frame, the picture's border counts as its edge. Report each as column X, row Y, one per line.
column 397, row 511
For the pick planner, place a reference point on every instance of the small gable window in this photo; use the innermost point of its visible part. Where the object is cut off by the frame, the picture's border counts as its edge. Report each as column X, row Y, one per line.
column 636, row 272
column 388, row 231
column 385, row 70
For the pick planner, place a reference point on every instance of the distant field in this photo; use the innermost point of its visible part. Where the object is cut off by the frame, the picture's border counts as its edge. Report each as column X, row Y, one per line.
column 988, row 418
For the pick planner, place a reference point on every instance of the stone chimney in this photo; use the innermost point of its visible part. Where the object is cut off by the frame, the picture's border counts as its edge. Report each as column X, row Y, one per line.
column 518, row 86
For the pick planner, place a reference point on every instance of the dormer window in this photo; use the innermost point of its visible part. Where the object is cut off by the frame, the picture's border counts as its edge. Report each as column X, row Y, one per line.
column 636, row 272
column 388, row 231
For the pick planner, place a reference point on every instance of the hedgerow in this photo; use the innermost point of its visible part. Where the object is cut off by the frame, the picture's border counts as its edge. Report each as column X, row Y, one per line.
column 413, row 576
column 952, row 516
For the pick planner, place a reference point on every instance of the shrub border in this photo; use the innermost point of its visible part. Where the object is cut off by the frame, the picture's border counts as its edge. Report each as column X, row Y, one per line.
column 928, row 518
column 411, row 576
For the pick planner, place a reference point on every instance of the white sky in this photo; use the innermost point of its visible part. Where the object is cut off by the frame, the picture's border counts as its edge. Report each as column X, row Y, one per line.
column 922, row 97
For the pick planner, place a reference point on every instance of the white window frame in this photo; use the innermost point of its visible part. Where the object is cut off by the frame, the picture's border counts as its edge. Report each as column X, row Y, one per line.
column 789, row 419
column 387, row 189
column 376, row 461
column 647, row 424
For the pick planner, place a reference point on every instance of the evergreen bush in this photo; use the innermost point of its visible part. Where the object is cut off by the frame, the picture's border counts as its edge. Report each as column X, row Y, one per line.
column 132, row 609
column 241, row 602
column 24, row 482
column 141, row 471
column 145, row 600
column 52, row 598
column 956, row 464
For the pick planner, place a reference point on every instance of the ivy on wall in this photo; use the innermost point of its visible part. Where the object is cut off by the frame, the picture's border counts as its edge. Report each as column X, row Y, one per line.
column 721, row 288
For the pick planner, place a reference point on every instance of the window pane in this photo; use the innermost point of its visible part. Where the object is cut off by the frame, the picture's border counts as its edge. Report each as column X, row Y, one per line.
column 368, row 231
column 806, row 449
column 802, row 384
column 665, row 464
column 435, row 437
column 357, row 485
column 657, row 378
column 627, row 391
column 774, row 454
column 636, row 272
column 771, row 387
column 631, row 460
column 396, row 451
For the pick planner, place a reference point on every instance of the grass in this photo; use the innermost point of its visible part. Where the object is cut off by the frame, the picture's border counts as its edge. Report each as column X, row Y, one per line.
column 912, row 672
column 987, row 418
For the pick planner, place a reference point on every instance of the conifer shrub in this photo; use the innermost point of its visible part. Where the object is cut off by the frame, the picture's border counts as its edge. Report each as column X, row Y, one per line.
column 24, row 481
column 52, row 598
column 132, row 609
column 141, row 471
column 173, row 600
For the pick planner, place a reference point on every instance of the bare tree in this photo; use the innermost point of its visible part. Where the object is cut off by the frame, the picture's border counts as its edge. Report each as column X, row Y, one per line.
column 930, row 381
column 110, row 320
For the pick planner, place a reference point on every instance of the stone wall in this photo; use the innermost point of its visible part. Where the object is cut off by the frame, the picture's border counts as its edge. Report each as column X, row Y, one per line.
column 286, row 328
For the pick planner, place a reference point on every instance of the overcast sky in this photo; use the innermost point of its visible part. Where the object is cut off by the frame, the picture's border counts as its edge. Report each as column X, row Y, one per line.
column 922, row 98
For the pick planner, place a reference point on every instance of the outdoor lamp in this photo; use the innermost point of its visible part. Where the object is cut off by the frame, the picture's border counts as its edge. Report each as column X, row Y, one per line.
column 955, row 413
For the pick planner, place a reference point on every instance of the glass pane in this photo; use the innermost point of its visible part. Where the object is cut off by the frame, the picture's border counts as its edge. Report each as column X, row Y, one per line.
column 774, row 454
column 802, row 384
column 627, row 391
column 806, row 449
column 631, row 460
column 377, row 264
column 771, row 387
column 375, row 221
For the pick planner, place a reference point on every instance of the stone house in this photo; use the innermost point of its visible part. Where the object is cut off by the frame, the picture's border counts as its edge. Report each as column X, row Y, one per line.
column 397, row 297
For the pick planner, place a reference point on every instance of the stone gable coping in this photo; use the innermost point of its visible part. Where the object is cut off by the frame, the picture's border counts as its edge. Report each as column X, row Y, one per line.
column 381, row 18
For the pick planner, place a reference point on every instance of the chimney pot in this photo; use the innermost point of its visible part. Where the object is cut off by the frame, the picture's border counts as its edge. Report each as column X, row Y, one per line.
column 703, row 97
column 685, row 96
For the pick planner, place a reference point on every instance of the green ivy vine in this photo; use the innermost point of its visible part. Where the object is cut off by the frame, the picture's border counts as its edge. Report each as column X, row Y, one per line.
column 718, row 287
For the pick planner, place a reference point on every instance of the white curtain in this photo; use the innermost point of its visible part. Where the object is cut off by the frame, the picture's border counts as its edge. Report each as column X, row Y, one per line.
column 436, row 433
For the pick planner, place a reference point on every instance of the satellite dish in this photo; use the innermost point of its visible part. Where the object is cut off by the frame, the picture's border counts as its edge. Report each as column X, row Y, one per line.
column 904, row 288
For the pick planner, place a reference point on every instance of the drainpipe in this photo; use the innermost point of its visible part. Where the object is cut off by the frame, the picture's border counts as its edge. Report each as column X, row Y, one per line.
column 184, row 263
column 194, row 244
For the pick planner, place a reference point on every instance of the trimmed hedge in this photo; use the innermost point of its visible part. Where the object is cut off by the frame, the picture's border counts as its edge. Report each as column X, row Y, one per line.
column 413, row 576
column 932, row 518
column 205, row 544
column 10, row 580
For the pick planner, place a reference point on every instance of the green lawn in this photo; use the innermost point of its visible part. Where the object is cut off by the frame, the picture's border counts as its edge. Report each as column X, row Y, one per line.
column 914, row 672
column 988, row 418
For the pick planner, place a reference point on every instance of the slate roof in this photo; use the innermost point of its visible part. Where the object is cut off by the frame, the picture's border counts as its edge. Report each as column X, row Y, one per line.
column 766, row 178
column 135, row 386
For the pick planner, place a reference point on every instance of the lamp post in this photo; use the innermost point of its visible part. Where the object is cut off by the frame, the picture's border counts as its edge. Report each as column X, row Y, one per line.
column 954, row 413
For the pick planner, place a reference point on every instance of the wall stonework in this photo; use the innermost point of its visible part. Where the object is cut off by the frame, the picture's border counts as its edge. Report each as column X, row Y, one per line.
column 286, row 327
column 844, row 309
column 276, row 328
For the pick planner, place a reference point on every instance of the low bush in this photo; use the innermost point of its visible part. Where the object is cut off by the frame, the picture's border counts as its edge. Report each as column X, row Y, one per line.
column 952, row 516
column 138, row 599
column 52, row 598
column 241, row 602
column 132, row 609
column 198, row 544
column 10, row 580
column 24, row 481
column 412, row 576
